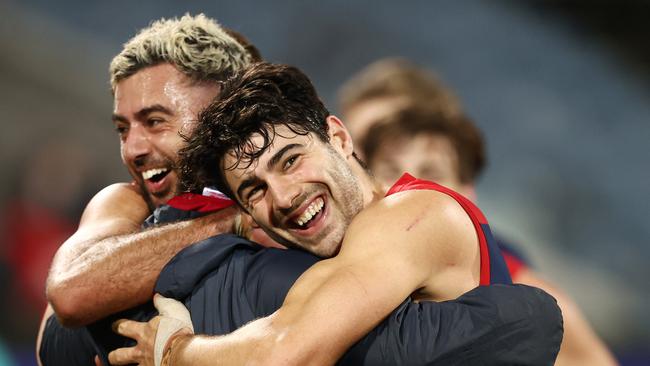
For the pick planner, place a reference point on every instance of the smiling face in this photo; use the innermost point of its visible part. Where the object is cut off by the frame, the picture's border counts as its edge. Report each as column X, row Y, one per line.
column 151, row 109
column 303, row 191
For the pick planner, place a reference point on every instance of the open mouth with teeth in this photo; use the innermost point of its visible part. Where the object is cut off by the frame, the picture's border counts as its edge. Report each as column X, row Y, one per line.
column 156, row 182
column 310, row 215
column 155, row 175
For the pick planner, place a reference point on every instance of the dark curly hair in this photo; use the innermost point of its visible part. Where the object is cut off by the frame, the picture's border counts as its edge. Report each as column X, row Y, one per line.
column 255, row 101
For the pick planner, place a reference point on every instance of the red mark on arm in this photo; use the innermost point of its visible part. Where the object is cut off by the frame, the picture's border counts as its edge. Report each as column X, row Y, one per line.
column 415, row 222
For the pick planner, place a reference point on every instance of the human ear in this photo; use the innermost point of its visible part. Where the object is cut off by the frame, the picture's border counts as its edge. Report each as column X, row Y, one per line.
column 339, row 136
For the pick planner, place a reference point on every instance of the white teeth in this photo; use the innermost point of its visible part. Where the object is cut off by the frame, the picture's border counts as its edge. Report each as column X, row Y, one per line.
column 151, row 172
column 310, row 212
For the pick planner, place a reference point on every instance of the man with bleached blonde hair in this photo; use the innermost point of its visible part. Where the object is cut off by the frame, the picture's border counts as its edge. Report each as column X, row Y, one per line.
column 195, row 45
column 160, row 81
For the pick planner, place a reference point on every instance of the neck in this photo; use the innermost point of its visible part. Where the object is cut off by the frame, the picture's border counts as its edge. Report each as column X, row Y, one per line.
column 378, row 192
column 372, row 190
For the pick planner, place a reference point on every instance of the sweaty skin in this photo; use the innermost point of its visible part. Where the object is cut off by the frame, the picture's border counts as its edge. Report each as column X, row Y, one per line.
column 108, row 264
column 379, row 262
column 152, row 108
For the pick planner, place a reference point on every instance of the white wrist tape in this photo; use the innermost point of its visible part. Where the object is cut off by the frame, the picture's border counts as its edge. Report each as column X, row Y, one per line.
column 173, row 317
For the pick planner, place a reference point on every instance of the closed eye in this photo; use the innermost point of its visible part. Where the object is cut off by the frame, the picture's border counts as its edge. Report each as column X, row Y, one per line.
column 254, row 194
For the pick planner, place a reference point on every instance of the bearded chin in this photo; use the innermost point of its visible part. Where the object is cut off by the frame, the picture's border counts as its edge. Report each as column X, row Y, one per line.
column 147, row 196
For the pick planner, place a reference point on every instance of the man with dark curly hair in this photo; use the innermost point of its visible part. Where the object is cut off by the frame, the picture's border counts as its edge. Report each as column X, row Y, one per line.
column 270, row 144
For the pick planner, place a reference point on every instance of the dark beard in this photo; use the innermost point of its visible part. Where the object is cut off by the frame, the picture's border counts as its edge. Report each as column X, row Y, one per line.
column 147, row 197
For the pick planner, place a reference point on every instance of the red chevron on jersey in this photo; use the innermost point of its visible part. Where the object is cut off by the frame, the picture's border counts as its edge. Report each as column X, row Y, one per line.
column 200, row 203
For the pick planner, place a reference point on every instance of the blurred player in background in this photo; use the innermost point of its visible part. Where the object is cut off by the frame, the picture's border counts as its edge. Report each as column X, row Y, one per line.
column 405, row 120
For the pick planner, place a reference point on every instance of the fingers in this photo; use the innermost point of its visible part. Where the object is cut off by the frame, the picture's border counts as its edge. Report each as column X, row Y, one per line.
column 174, row 318
column 238, row 228
column 172, row 308
column 129, row 328
column 244, row 225
column 98, row 362
column 125, row 356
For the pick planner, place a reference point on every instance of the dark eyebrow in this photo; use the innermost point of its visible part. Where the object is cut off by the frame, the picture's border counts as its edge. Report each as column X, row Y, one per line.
column 141, row 114
column 118, row 118
column 278, row 155
column 272, row 162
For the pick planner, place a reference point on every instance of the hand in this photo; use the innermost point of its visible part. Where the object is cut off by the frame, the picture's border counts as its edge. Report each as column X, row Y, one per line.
column 144, row 334
column 227, row 220
column 153, row 337
column 249, row 229
column 243, row 224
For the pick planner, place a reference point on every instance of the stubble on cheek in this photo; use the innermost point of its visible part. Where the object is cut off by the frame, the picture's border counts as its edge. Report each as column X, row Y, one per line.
column 348, row 186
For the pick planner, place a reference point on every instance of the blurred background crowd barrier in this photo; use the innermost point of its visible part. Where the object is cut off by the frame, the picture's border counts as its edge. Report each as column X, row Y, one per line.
column 559, row 88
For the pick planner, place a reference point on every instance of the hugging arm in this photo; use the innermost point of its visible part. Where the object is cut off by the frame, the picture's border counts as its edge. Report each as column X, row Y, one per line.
column 523, row 322
column 109, row 264
column 336, row 302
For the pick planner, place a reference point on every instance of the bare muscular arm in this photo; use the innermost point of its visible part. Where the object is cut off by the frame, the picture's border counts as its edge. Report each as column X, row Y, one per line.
column 391, row 250
column 109, row 265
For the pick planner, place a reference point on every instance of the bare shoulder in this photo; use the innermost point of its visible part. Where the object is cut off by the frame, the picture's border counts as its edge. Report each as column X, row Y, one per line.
column 413, row 211
column 426, row 224
column 117, row 191
column 117, row 202
column 425, row 234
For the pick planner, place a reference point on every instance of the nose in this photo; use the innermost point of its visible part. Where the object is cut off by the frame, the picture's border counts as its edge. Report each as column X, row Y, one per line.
column 283, row 192
column 136, row 146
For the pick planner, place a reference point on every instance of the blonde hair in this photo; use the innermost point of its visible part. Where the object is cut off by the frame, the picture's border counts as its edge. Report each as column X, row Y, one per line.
column 196, row 45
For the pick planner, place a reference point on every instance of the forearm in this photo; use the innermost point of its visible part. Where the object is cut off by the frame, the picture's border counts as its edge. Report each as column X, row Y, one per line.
column 119, row 272
column 522, row 323
column 255, row 344
column 310, row 328
column 202, row 350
